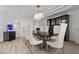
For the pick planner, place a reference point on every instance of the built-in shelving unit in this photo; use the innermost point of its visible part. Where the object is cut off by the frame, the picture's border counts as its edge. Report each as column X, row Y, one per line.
column 58, row 20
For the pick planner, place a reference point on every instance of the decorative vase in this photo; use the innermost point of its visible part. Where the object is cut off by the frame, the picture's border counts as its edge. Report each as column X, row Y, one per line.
column 37, row 29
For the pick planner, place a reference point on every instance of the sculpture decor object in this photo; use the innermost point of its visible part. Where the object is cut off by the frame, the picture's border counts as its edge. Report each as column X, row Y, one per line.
column 9, row 27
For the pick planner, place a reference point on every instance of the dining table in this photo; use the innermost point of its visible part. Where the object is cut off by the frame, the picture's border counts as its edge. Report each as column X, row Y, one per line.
column 41, row 35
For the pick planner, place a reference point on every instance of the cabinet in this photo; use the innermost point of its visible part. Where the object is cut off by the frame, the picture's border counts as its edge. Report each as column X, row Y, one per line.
column 8, row 36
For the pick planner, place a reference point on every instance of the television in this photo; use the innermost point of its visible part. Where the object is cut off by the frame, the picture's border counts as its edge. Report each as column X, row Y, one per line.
column 9, row 27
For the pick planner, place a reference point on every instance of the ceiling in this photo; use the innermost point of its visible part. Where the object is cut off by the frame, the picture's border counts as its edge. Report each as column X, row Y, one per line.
column 72, row 8
column 29, row 10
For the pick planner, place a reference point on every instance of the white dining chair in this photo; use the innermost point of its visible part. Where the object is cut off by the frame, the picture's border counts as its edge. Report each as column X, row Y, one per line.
column 56, row 29
column 59, row 40
column 33, row 40
column 46, row 28
column 41, row 28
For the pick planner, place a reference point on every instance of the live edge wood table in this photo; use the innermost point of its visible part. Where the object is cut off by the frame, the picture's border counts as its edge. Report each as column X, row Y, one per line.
column 43, row 36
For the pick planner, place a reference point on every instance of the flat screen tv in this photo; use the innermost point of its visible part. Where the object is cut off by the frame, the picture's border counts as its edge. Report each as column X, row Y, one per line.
column 9, row 27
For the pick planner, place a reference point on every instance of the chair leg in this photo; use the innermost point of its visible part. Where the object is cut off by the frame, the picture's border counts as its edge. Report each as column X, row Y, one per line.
column 33, row 46
column 42, row 45
column 46, row 47
column 59, row 49
column 63, row 50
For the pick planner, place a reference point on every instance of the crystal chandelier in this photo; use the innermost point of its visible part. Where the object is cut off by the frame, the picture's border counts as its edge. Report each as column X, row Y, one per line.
column 39, row 13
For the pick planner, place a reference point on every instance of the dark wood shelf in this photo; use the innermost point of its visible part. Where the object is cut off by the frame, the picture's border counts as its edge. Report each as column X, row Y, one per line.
column 58, row 20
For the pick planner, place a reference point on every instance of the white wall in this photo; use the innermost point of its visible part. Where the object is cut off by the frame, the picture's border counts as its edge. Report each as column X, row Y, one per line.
column 1, row 30
column 74, row 24
column 6, row 18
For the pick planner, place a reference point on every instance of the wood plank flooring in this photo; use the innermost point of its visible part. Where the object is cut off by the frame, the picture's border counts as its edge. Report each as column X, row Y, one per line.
column 69, row 48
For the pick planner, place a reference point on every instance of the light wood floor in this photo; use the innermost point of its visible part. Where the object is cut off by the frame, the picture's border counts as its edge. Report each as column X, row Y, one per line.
column 69, row 48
